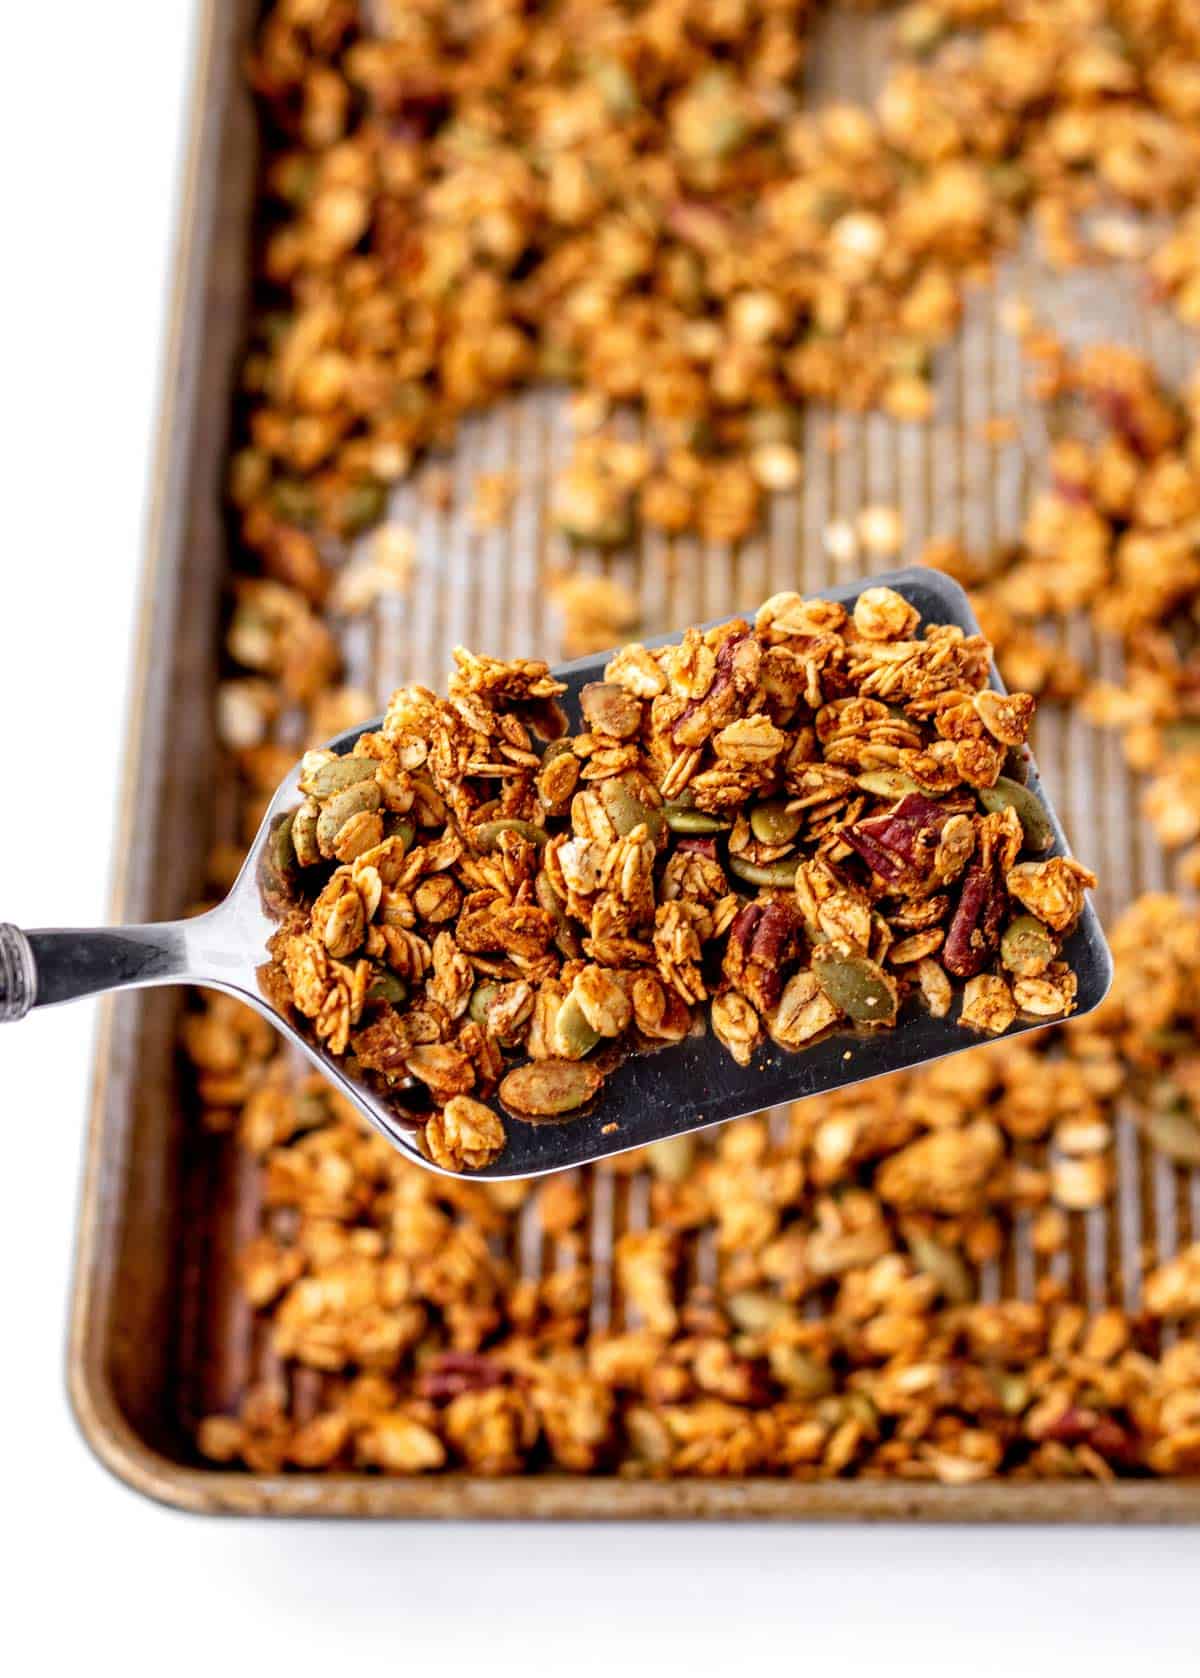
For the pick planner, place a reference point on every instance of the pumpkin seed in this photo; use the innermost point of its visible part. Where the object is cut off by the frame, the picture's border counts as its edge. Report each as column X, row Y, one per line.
column 549, row 1088
column 1175, row 1134
column 672, row 1158
column 685, row 818
column 1005, row 795
column 782, row 873
column 304, row 834
column 804, row 1375
column 352, row 801
column 387, row 987
column 572, row 1033
column 339, row 773
column 565, row 935
column 947, row 1267
column 1012, row 1390
column 1027, row 947
column 400, row 827
column 482, row 997
column 858, row 986
column 1016, row 764
column 626, row 812
column 1182, row 736
column 487, row 836
column 887, row 783
column 280, row 850
column 773, row 823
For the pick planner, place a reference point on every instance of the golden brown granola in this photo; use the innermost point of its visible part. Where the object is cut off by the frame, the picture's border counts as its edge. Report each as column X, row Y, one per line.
column 465, row 891
column 657, row 219
column 846, row 1331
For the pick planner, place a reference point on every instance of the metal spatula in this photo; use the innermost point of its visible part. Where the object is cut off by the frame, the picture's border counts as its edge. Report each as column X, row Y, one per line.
column 647, row 1097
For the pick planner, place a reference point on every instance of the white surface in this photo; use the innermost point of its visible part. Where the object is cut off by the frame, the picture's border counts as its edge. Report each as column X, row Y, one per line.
column 89, row 134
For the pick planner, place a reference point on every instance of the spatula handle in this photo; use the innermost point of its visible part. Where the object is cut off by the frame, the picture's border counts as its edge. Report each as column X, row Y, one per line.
column 38, row 969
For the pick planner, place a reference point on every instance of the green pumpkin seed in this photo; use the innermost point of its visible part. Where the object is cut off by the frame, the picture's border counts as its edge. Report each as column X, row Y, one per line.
column 1016, row 764
column 387, row 987
column 304, row 834
column 339, row 773
column 804, row 1375
column 685, row 818
column 482, row 997
column 352, row 801
column 572, row 1033
column 1013, row 1391
column 1027, row 947
column 857, row 985
column 947, row 1267
column 280, row 850
column 548, row 1088
column 772, row 823
column 1175, row 1134
column 1182, row 736
column 782, row 873
column 626, row 812
column 754, row 1312
column 400, row 827
column 1005, row 795
column 887, row 783
column 565, row 936
column 486, row 836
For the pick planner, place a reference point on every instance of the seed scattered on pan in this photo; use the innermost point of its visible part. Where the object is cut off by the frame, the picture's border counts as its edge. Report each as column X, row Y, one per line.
column 1006, row 794
column 1176, row 1134
column 946, row 1266
column 858, row 986
column 550, row 1088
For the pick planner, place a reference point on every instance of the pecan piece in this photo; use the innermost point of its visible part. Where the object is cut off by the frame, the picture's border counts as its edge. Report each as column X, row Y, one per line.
column 900, row 845
column 975, row 930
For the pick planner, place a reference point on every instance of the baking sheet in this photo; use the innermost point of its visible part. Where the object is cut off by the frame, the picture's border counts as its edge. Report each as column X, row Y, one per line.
column 160, row 1334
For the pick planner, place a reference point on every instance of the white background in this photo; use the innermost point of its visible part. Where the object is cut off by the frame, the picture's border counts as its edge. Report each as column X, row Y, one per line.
column 92, row 95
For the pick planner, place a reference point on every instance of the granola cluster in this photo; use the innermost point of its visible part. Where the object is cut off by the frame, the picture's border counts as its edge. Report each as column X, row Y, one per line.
column 794, row 823
column 847, row 1328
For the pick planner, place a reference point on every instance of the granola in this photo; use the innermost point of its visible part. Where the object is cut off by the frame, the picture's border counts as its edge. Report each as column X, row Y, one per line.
column 468, row 889
column 658, row 220
column 848, row 1330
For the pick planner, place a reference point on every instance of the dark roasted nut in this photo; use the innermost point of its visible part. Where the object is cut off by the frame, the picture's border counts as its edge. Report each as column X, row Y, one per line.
column 899, row 847
column 975, row 929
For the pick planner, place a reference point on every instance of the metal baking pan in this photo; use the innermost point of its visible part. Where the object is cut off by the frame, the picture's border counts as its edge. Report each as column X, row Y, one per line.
column 158, row 1331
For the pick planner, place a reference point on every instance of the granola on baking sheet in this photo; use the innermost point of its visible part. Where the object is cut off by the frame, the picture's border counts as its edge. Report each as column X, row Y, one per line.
column 431, row 244
column 784, row 827
column 846, row 1330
